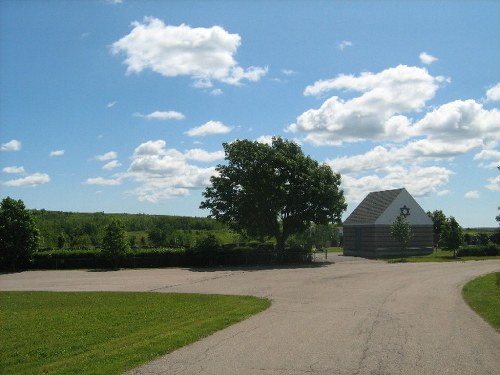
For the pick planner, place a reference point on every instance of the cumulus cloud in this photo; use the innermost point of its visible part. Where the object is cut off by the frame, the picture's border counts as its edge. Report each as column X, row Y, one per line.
column 427, row 59
column 419, row 181
column 56, row 153
column 164, row 173
column 32, row 180
column 493, row 94
column 494, row 184
column 473, row 194
column 209, row 128
column 111, row 165
column 13, row 170
column 344, row 44
column 376, row 114
column 204, row 54
column 107, row 156
column 488, row 154
column 162, row 115
column 101, row 181
column 13, row 145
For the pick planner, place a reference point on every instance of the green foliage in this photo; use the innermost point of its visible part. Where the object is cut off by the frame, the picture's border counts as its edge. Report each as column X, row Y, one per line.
column 479, row 251
column 114, row 243
column 86, row 230
column 401, row 232
column 208, row 245
column 19, row 236
column 483, row 295
column 273, row 190
column 452, row 235
column 438, row 220
column 107, row 333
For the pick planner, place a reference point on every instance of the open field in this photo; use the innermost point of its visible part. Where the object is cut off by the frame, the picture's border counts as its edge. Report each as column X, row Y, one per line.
column 107, row 333
column 483, row 295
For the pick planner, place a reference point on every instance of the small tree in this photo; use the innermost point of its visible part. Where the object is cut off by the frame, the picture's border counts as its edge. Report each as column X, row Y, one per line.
column 438, row 221
column 114, row 243
column 452, row 236
column 19, row 236
column 401, row 232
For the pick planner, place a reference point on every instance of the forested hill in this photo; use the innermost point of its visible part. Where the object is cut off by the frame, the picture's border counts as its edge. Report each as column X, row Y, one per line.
column 85, row 230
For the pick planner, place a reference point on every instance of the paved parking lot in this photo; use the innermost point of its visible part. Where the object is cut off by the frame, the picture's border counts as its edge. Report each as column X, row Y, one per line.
column 348, row 317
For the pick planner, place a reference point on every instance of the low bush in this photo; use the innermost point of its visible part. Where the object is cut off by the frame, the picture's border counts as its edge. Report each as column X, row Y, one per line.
column 479, row 251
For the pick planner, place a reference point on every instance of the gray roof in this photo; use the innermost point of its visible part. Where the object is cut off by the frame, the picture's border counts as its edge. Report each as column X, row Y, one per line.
column 372, row 207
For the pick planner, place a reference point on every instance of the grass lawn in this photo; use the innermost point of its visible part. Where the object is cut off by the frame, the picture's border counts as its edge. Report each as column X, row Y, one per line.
column 438, row 256
column 107, row 333
column 483, row 296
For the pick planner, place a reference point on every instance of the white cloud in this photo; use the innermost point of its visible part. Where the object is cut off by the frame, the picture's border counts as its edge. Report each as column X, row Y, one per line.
column 111, row 165
column 342, row 45
column 101, row 181
column 288, row 72
column 494, row 184
column 266, row 139
column 56, row 153
column 377, row 114
column 162, row 115
column 460, row 120
column 419, row 181
column 211, row 127
column 488, row 154
column 164, row 173
column 32, row 180
column 111, row 104
column 493, row 94
column 204, row 54
column 107, row 156
column 13, row 170
column 442, row 193
column 202, row 155
column 13, row 145
column 473, row 194
column 427, row 59
column 216, row 92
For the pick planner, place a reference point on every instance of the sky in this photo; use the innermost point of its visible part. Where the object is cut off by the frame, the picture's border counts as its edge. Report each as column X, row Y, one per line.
column 123, row 106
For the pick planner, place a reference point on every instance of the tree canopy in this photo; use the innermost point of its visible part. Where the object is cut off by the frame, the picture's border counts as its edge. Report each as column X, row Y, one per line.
column 273, row 190
column 114, row 243
column 401, row 232
column 18, row 234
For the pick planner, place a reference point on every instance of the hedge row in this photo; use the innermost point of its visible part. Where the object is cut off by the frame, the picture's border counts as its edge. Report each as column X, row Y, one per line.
column 479, row 251
column 151, row 258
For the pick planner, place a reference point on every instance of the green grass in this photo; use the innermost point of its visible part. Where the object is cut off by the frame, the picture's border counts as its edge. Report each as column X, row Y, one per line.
column 438, row 256
column 107, row 333
column 483, row 296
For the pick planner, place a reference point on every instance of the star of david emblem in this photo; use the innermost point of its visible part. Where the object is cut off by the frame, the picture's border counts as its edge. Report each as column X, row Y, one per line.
column 405, row 211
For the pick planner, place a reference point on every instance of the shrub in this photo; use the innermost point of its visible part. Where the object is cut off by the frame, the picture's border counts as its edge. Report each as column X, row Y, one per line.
column 479, row 251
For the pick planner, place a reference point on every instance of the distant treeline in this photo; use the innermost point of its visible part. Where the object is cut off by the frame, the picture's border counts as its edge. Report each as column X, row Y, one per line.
column 69, row 230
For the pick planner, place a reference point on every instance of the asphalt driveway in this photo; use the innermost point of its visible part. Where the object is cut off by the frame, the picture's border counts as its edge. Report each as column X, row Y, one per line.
column 348, row 317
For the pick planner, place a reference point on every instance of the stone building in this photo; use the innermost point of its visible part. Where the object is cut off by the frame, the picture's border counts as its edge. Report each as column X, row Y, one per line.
column 367, row 230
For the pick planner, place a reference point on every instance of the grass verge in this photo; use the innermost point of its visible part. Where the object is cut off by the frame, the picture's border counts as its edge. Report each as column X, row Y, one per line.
column 107, row 333
column 483, row 296
column 438, row 256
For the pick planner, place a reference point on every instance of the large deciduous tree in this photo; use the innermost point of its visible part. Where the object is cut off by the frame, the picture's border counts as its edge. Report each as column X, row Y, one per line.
column 19, row 236
column 273, row 190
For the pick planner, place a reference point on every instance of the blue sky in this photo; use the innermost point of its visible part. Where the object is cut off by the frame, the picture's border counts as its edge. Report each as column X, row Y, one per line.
column 123, row 106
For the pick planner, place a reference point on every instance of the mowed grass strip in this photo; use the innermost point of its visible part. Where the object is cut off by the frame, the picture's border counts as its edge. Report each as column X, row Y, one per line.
column 483, row 296
column 107, row 333
column 438, row 256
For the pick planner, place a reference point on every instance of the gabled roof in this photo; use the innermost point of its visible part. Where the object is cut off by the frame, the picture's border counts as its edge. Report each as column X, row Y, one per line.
column 372, row 207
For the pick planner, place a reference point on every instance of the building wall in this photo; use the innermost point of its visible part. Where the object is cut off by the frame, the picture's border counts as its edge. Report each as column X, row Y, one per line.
column 373, row 241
